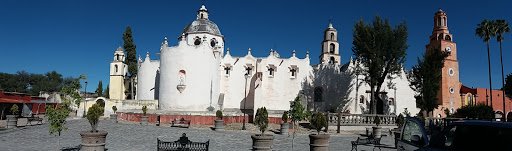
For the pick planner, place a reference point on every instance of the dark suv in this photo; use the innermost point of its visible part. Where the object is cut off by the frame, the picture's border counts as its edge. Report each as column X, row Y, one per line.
column 459, row 135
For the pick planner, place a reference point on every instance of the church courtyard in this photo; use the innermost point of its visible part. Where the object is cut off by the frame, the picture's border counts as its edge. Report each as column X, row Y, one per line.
column 135, row 137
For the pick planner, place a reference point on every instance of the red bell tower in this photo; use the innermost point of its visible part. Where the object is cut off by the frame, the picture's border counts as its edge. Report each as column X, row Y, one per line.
column 449, row 94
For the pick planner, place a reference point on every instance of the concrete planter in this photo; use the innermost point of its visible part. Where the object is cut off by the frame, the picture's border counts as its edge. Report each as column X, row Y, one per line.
column 377, row 132
column 93, row 141
column 262, row 142
column 219, row 125
column 285, row 128
column 319, row 142
column 12, row 121
column 113, row 118
column 144, row 120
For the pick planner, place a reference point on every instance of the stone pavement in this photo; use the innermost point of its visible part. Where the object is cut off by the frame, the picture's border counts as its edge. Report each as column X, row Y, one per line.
column 133, row 137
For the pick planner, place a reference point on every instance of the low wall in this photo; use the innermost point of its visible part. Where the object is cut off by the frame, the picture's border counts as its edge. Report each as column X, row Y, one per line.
column 196, row 119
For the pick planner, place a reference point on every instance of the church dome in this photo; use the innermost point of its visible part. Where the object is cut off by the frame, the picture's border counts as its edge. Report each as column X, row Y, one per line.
column 202, row 26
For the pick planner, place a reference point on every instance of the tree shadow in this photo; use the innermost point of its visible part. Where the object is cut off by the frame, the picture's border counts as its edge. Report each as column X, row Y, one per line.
column 329, row 88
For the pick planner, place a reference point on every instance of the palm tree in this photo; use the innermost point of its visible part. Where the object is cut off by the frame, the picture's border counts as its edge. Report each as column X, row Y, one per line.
column 486, row 30
column 501, row 28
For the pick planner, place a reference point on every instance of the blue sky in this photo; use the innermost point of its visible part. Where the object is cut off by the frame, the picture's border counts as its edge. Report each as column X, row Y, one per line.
column 80, row 37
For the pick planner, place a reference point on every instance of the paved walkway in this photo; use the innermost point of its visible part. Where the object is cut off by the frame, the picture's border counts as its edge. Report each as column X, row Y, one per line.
column 132, row 137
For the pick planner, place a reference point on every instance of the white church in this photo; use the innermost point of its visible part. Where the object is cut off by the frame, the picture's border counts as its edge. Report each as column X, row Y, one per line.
column 199, row 75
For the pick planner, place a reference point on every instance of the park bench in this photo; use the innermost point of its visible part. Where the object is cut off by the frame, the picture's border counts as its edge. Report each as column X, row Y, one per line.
column 366, row 141
column 32, row 118
column 180, row 123
column 182, row 144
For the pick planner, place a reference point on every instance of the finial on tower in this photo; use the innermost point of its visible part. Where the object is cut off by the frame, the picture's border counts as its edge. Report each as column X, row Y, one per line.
column 293, row 53
column 249, row 51
column 307, row 54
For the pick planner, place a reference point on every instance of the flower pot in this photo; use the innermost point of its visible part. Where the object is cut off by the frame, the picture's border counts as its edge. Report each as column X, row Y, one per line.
column 144, row 120
column 377, row 133
column 113, row 118
column 12, row 121
column 93, row 141
column 319, row 142
column 219, row 125
column 285, row 128
column 262, row 142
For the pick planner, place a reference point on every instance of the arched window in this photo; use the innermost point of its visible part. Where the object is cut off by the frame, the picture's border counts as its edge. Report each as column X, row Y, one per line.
column 332, row 48
column 439, row 21
column 391, row 101
column 115, row 67
column 361, row 99
column 447, row 37
column 445, row 21
column 197, row 41
column 332, row 36
column 318, row 94
column 201, row 16
column 332, row 60
column 117, row 57
column 213, row 42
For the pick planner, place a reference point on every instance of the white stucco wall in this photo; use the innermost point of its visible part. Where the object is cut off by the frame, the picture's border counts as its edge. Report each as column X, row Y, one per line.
column 201, row 67
column 147, row 79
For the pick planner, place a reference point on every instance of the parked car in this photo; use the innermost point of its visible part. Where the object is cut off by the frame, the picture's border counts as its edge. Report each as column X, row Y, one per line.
column 460, row 135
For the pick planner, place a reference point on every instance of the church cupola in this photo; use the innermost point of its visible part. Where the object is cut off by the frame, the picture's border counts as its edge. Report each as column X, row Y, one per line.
column 202, row 13
column 330, row 46
column 440, row 20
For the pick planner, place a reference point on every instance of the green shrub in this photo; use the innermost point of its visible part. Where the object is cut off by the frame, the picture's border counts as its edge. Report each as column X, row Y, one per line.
column 219, row 114
column 15, row 109
column 93, row 115
column 144, row 110
column 479, row 111
column 261, row 119
column 285, row 117
column 400, row 120
column 114, row 108
column 318, row 121
column 377, row 120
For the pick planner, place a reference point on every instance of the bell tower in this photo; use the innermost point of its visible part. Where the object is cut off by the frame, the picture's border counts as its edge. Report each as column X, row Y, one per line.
column 330, row 47
column 449, row 93
column 118, row 71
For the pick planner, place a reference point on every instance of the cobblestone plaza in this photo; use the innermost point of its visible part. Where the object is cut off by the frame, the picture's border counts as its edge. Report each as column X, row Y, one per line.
column 134, row 137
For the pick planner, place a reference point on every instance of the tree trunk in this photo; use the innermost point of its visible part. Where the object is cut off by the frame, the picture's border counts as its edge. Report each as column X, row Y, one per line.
column 373, row 103
column 490, row 81
column 502, row 82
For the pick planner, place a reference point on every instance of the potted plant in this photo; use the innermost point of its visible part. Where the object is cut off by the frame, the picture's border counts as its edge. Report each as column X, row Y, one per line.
column 318, row 142
column 113, row 117
column 219, row 123
column 285, row 127
column 144, row 118
column 12, row 120
column 377, row 129
column 262, row 141
column 94, row 140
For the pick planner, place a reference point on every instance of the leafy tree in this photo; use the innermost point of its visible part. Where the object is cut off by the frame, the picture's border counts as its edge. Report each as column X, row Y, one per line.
column 508, row 85
column 99, row 90
column 296, row 113
column 425, row 79
column 131, row 59
column 261, row 119
column 72, row 91
column 57, row 118
column 479, row 111
column 381, row 50
column 486, row 30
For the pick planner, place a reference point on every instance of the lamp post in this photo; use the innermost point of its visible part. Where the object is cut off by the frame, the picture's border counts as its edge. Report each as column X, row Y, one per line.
column 487, row 99
column 245, row 99
column 85, row 98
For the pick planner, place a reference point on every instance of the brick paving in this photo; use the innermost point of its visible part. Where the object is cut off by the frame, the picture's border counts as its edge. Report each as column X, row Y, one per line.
column 134, row 137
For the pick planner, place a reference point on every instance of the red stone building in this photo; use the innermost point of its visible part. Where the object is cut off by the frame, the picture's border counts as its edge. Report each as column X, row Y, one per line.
column 483, row 96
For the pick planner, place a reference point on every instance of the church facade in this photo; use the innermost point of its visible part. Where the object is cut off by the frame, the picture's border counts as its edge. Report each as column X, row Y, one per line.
column 197, row 76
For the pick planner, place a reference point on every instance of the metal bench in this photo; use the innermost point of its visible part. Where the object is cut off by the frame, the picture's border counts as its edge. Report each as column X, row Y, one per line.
column 366, row 141
column 182, row 144
column 180, row 123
